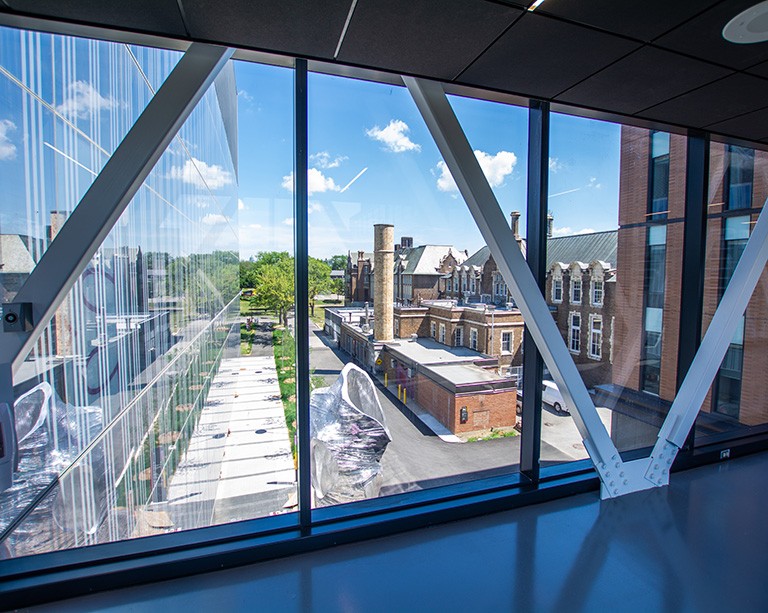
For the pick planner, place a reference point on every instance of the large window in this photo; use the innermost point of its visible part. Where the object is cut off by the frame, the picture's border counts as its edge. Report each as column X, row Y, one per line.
column 739, row 177
column 658, row 176
column 574, row 333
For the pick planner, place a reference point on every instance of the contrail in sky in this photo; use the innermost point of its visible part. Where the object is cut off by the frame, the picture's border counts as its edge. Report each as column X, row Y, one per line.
column 568, row 191
column 359, row 174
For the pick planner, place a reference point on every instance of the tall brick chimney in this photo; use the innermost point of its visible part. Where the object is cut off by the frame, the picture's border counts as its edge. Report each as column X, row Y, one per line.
column 383, row 280
column 515, row 223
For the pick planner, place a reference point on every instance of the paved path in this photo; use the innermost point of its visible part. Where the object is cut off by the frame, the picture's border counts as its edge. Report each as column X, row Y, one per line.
column 239, row 463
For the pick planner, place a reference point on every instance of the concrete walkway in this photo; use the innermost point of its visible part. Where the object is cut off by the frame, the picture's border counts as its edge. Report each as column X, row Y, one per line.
column 239, row 463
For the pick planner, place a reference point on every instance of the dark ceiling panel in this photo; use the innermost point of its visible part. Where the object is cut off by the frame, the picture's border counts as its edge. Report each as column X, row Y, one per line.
column 438, row 38
column 702, row 37
column 713, row 103
column 643, row 19
column 285, row 26
column 761, row 70
column 752, row 126
column 540, row 56
column 645, row 78
column 158, row 16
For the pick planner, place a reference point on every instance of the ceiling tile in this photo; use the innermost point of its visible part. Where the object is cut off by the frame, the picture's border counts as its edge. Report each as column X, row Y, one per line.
column 751, row 126
column 761, row 70
column 643, row 19
column 159, row 16
column 645, row 78
column 540, row 56
column 702, row 37
column 284, row 26
column 424, row 37
column 713, row 103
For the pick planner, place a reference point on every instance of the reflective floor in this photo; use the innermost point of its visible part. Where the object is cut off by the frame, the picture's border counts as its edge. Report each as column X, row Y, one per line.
column 699, row 545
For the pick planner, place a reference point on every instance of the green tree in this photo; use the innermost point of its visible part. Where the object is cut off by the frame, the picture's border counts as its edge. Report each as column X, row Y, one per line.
column 274, row 288
column 319, row 280
column 337, row 262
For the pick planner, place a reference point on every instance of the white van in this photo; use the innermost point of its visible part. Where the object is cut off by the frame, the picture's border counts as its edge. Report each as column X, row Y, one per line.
column 552, row 396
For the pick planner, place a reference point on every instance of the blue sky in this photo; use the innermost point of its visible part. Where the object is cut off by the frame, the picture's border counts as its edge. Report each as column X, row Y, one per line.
column 358, row 127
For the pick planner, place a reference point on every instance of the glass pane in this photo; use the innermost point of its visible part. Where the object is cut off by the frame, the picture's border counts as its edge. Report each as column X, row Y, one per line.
column 419, row 329
column 65, row 105
column 613, row 275
column 736, row 400
column 137, row 414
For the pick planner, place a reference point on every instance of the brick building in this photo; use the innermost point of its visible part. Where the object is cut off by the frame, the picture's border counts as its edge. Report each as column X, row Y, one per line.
column 651, row 217
column 480, row 327
column 358, row 283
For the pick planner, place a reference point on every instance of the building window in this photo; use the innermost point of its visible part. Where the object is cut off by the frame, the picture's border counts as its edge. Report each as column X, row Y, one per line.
column 397, row 327
column 473, row 338
column 448, row 287
column 726, row 398
column 472, row 286
column 739, row 177
column 658, row 179
column 575, row 288
column 655, row 277
column 506, row 342
column 595, row 337
column 463, row 282
column 458, row 337
column 557, row 289
column 597, row 289
column 433, row 329
column 574, row 336
column 442, row 333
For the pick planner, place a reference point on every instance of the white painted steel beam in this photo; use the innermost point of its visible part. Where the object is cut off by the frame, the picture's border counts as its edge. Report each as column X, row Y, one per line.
column 111, row 192
column 457, row 153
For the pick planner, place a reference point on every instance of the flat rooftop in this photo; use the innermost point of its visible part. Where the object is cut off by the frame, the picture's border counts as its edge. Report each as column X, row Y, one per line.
column 427, row 351
column 459, row 374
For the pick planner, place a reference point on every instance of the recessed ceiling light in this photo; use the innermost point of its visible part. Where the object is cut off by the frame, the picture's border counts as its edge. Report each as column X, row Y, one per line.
column 750, row 26
column 534, row 5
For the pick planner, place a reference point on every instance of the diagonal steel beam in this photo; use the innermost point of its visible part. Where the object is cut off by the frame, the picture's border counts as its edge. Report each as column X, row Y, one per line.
column 111, row 192
column 430, row 99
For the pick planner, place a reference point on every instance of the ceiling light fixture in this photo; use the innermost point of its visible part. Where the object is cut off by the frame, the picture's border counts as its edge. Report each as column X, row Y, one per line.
column 750, row 26
column 535, row 5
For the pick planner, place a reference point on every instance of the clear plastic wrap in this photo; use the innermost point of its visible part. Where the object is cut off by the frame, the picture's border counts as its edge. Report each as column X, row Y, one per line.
column 51, row 435
column 348, row 438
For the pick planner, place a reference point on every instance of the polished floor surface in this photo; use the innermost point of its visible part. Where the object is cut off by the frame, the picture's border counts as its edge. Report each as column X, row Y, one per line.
column 699, row 545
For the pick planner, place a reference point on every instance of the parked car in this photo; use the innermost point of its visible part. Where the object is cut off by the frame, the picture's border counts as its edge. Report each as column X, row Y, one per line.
column 551, row 395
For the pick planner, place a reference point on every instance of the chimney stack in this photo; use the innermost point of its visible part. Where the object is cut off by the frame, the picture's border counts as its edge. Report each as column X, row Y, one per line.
column 515, row 223
column 383, row 281
column 550, row 224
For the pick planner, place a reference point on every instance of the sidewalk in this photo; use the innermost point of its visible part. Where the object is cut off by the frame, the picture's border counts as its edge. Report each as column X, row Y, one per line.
column 424, row 416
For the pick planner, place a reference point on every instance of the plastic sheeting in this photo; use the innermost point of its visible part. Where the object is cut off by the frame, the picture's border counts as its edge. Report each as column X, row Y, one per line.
column 51, row 434
column 348, row 438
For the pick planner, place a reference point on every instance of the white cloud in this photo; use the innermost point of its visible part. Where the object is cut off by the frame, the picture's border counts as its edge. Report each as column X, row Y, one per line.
column 214, row 219
column 566, row 231
column 496, row 168
column 317, row 182
column 314, row 207
column 244, row 95
column 198, row 173
column 394, row 136
column 83, row 99
column 323, row 159
column 555, row 165
column 240, row 204
column 254, row 226
column 202, row 204
column 7, row 148
column 593, row 184
column 288, row 221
